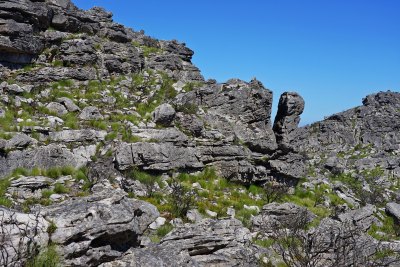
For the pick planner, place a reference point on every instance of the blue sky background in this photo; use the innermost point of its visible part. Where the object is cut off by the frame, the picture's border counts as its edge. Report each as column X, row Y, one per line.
column 332, row 52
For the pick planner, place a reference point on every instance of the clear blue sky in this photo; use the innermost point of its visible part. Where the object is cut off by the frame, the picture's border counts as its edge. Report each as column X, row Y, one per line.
column 332, row 52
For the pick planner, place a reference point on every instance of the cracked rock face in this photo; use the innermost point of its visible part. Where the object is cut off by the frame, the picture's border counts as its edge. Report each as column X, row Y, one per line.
column 99, row 228
column 206, row 243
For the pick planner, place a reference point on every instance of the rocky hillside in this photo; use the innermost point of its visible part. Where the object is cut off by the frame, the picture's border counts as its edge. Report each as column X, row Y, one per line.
column 114, row 151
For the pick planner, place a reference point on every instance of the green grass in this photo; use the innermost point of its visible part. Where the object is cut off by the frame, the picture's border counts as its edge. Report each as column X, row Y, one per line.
column 389, row 228
column 217, row 195
column 102, row 125
column 7, row 122
column 60, row 189
column 4, row 184
column 148, row 50
column 161, row 232
column 46, row 258
column 266, row 243
column 167, row 91
column 71, row 121
column 190, row 86
column 58, row 63
column 187, row 108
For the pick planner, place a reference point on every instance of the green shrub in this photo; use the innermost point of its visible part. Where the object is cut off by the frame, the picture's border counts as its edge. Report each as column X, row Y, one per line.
column 60, row 189
column 58, row 63
column 111, row 136
column 98, row 124
column 5, row 202
column 71, row 121
column 187, row 108
column 47, row 193
column 51, row 228
column 164, row 230
column 54, row 172
column 20, row 172
column 148, row 50
column 181, row 198
column 190, row 86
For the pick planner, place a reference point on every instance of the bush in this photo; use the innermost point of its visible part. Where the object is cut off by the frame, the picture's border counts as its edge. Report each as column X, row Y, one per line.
column 274, row 192
column 60, row 189
column 164, row 230
column 182, row 198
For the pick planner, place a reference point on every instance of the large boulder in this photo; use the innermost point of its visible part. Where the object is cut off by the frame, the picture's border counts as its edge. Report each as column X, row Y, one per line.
column 206, row 243
column 45, row 157
column 240, row 111
column 91, row 113
column 99, row 228
column 164, row 114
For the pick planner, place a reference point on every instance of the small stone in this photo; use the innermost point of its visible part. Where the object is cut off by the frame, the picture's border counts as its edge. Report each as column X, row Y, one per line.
column 160, row 221
column 194, row 215
column 211, row 213
column 15, row 88
column 253, row 208
column 56, row 197
column 91, row 113
column 57, row 108
column 196, row 186
column 68, row 103
column 231, row 212
column 164, row 114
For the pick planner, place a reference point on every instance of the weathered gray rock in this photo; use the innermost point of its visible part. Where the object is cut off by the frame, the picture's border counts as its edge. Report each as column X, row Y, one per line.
column 168, row 135
column 44, row 157
column 91, row 113
column 20, row 141
column 206, row 243
column 19, row 234
column 77, row 136
column 239, row 111
column 99, row 228
column 29, row 187
column 69, row 104
column 361, row 138
column 291, row 106
column 275, row 214
column 164, row 114
column 393, row 209
column 363, row 217
column 156, row 156
column 57, row 108
column 14, row 89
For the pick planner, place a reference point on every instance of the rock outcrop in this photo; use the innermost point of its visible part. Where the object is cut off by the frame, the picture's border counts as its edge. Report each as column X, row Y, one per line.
column 290, row 107
column 99, row 228
column 206, row 243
